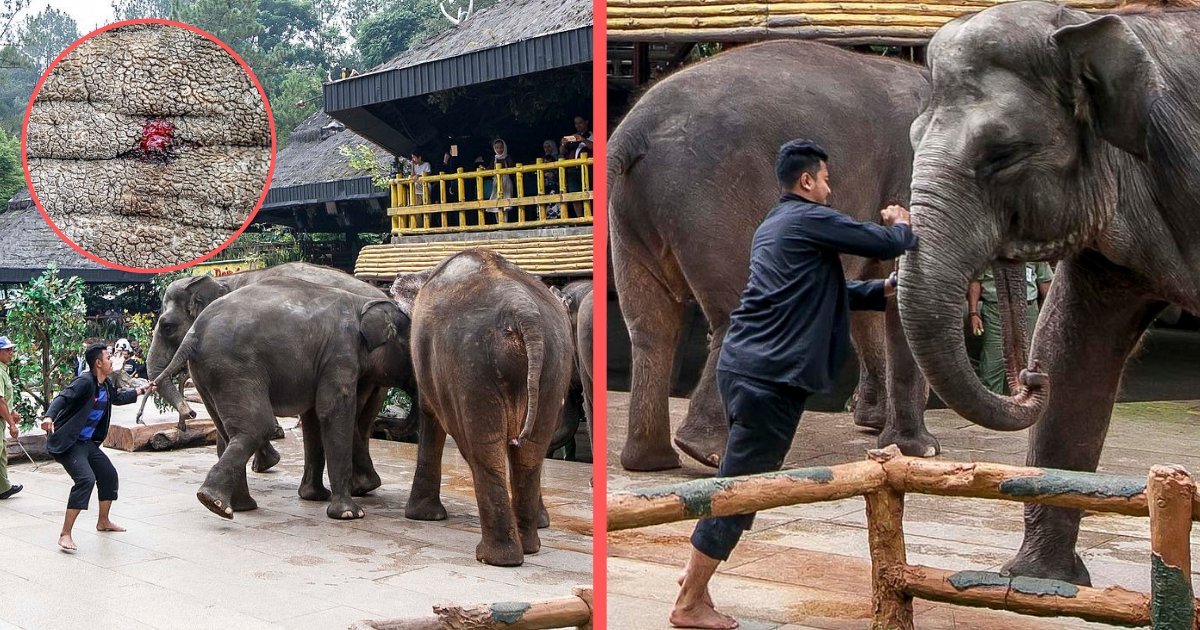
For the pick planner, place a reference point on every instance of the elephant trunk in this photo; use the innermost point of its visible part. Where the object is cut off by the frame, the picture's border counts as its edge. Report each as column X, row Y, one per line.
column 159, row 356
column 1013, row 306
column 934, row 283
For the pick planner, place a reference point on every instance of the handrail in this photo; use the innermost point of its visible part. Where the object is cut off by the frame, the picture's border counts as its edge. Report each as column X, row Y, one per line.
column 411, row 212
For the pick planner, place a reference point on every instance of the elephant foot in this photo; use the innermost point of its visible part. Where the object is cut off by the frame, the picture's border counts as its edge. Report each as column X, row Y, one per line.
column 425, row 510
column 531, row 543
column 506, row 554
column 344, row 509
column 705, row 445
column 364, row 483
column 244, row 504
column 215, row 503
column 638, row 458
column 922, row 444
column 314, row 492
column 1067, row 570
column 278, row 434
column 543, row 518
column 265, row 458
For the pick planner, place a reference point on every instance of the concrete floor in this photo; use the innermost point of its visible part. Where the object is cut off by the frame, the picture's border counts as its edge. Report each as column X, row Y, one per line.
column 284, row 565
column 808, row 566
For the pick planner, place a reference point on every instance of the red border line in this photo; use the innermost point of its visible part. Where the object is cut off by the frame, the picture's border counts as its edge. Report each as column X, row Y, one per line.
column 25, row 156
column 600, row 319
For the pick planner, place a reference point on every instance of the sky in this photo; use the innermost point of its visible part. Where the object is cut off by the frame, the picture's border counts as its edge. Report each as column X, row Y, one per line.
column 88, row 14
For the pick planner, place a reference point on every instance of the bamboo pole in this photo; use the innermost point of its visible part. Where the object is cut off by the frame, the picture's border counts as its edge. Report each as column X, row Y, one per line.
column 575, row 611
column 1170, row 490
column 1028, row 596
column 891, row 607
column 705, row 498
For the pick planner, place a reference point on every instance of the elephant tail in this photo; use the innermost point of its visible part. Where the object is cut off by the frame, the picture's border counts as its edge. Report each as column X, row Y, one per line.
column 625, row 148
column 179, row 361
column 535, row 352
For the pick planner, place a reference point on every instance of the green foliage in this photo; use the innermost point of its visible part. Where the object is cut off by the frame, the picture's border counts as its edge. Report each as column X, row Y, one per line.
column 398, row 404
column 134, row 9
column 45, row 35
column 46, row 321
column 141, row 328
column 398, row 25
column 299, row 95
column 12, row 176
column 361, row 158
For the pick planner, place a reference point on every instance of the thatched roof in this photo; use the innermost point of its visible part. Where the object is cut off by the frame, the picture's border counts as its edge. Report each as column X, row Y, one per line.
column 500, row 24
column 27, row 245
column 312, row 153
column 851, row 22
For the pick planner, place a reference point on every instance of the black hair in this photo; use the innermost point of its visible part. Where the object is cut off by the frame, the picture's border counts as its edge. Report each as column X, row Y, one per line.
column 93, row 354
column 796, row 157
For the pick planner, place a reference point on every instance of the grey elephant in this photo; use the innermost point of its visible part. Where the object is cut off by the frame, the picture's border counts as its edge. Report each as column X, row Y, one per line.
column 1052, row 134
column 578, row 405
column 691, row 172
column 492, row 352
column 318, row 351
column 186, row 298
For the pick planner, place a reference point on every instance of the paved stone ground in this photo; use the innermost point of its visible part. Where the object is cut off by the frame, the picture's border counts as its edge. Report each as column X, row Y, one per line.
column 284, row 565
column 808, row 566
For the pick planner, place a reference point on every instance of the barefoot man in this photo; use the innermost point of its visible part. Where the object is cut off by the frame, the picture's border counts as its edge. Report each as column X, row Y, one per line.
column 77, row 421
column 786, row 341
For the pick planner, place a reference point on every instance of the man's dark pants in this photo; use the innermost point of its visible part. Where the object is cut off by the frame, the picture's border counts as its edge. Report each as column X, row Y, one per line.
column 763, row 417
column 89, row 467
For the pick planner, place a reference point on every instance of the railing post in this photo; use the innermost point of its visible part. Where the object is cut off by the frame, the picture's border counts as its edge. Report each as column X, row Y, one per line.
column 891, row 608
column 1169, row 490
column 586, row 185
column 541, row 187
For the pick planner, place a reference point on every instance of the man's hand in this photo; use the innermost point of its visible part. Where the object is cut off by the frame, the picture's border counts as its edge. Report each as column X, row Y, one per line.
column 13, row 429
column 976, row 324
column 48, row 425
column 893, row 215
column 889, row 285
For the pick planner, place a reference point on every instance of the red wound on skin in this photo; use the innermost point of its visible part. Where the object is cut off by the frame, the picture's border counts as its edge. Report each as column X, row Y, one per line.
column 156, row 136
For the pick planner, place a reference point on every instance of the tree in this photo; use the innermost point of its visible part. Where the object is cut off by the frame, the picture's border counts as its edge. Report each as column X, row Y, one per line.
column 134, row 9
column 396, row 27
column 297, row 97
column 45, row 35
column 46, row 321
column 12, row 175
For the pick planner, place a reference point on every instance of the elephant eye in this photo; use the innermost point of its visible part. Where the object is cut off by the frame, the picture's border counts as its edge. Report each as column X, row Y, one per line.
column 999, row 158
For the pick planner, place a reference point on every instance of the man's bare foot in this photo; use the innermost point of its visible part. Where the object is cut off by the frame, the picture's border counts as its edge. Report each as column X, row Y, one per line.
column 109, row 526
column 701, row 616
column 66, row 543
column 706, row 598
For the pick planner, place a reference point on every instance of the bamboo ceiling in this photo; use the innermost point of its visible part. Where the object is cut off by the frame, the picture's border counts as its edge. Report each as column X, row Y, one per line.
column 886, row 22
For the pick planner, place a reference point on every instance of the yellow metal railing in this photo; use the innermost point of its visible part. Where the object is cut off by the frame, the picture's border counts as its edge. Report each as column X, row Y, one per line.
column 422, row 206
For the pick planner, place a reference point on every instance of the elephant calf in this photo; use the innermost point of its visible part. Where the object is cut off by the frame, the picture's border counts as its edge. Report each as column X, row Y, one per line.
column 492, row 352
column 284, row 347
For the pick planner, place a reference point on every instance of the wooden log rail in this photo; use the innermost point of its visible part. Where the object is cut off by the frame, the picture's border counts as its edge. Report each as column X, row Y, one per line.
column 569, row 612
column 1168, row 496
column 412, row 213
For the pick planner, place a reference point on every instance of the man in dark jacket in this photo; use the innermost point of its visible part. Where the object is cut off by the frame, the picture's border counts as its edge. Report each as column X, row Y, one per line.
column 77, row 422
column 786, row 341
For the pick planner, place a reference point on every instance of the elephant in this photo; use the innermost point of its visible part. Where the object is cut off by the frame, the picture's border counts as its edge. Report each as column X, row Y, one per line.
column 492, row 352
column 186, row 298
column 579, row 396
column 583, row 357
column 1052, row 134
column 350, row 347
column 692, row 176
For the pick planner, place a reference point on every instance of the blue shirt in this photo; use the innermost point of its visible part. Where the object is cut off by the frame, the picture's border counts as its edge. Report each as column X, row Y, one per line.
column 793, row 324
column 98, row 407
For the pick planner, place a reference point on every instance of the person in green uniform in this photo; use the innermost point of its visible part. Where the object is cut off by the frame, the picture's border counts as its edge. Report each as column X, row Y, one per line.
column 985, row 319
column 10, row 415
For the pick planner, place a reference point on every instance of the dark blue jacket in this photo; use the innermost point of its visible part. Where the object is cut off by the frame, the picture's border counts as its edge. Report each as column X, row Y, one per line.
column 70, row 409
column 793, row 324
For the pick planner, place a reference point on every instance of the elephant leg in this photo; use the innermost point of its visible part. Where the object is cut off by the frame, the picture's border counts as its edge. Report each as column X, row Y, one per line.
column 335, row 409
column 543, row 520
column 312, row 483
column 527, row 497
column 1093, row 320
column 908, row 394
column 870, row 341
column 705, row 429
column 425, row 500
column 500, row 545
column 267, row 456
column 365, row 477
column 655, row 320
column 227, row 477
column 240, row 500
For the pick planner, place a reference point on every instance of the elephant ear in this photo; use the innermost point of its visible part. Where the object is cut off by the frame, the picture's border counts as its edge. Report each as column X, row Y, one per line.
column 201, row 292
column 563, row 297
column 382, row 321
column 1116, row 80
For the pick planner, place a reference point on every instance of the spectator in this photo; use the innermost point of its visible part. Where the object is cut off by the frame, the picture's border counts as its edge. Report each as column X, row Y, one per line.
column 8, row 403
column 505, row 188
column 575, row 145
column 985, row 321
column 77, row 423
column 549, row 156
column 420, row 168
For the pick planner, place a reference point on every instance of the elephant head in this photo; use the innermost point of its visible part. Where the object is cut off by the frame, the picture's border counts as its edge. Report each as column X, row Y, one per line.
column 406, row 286
column 182, row 303
column 384, row 328
column 1014, row 161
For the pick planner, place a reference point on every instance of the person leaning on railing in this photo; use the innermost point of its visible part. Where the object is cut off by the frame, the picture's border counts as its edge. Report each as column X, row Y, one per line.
column 575, row 145
column 550, row 156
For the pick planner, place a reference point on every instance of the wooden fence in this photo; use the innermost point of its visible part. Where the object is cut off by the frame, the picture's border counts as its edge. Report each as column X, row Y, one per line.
column 569, row 612
column 1167, row 496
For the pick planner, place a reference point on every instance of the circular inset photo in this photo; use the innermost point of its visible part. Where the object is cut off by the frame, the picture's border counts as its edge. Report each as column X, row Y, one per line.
column 148, row 145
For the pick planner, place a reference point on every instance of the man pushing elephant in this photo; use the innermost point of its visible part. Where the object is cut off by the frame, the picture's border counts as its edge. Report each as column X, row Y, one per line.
column 786, row 341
